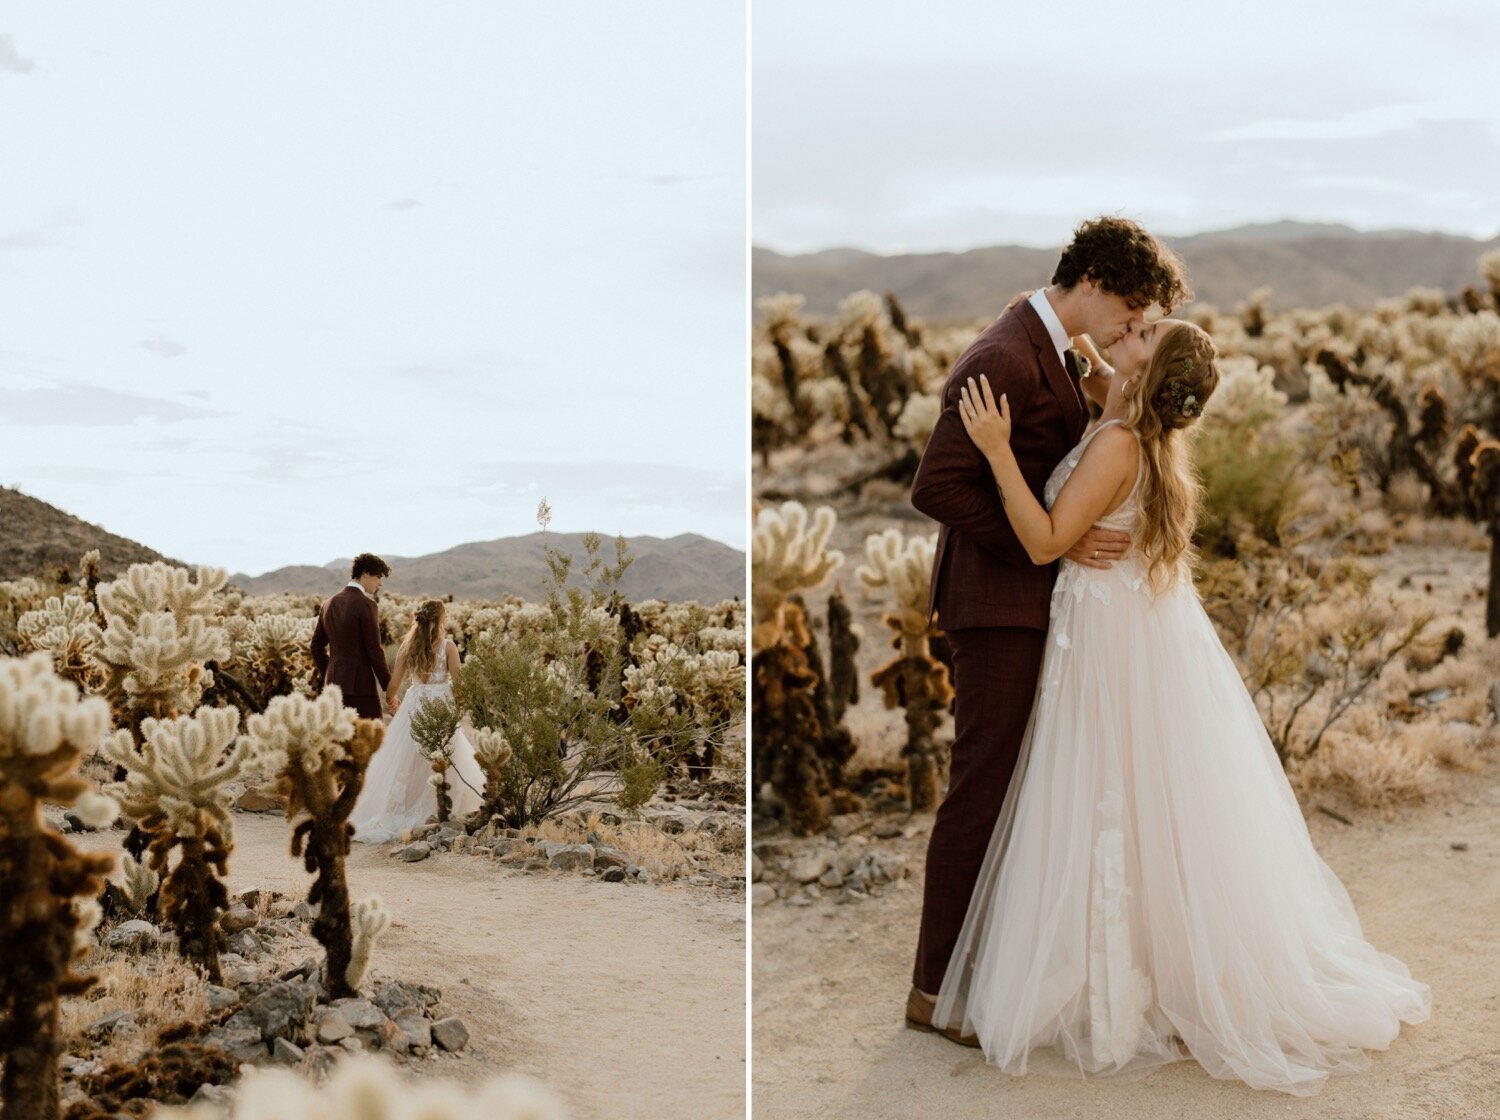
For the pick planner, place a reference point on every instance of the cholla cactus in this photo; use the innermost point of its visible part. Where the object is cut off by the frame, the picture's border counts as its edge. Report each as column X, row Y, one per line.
column 47, row 887
column 370, row 919
column 366, row 1088
column 793, row 751
column 494, row 754
column 787, row 554
column 157, row 637
column 918, row 418
column 433, row 726
column 271, row 654
column 136, row 883
column 319, row 752
column 913, row 679
column 176, row 790
column 68, row 629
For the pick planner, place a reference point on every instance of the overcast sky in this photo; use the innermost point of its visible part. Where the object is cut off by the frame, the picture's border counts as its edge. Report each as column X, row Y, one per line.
column 947, row 125
column 288, row 281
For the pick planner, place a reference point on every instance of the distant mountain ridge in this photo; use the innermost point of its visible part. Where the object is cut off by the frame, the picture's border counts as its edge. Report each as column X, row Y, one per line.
column 687, row 566
column 36, row 538
column 1305, row 264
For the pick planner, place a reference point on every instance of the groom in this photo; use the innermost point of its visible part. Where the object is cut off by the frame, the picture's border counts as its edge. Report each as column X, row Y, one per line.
column 346, row 647
column 990, row 599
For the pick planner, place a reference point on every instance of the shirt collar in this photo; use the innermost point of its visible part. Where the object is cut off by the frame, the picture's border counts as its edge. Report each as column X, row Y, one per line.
column 356, row 583
column 1054, row 326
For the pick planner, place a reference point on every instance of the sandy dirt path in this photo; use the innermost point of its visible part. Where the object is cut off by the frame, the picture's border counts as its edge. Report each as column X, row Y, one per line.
column 628, row 1000
column 830, row 983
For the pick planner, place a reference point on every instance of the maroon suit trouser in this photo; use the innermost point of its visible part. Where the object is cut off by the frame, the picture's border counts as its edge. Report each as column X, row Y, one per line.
column 995, row 675
column 368, row 707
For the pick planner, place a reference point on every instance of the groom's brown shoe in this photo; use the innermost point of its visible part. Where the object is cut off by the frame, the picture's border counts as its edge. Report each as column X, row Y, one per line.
column 919, row 1008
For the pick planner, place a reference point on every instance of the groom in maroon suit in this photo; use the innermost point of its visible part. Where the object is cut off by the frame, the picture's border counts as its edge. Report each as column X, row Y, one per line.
column 346, row 647
column 988, row 597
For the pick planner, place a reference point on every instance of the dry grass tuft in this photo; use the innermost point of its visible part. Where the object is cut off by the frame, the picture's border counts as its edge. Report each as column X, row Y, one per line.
column 663, row 855
column 158, row 987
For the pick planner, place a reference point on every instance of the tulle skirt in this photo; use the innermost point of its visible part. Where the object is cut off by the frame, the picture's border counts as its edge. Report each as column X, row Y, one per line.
column 398, row 793
column 1151, row 873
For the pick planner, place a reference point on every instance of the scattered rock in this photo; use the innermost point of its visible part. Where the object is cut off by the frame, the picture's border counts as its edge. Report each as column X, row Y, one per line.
column 757, row 867
column 510, row 846
column 75, row 822
column 450, row 1034
column 241, row 1042
column 1459, row 845
column 281, row 1009
column 393, row 1038
column 216, row 1096
column 888, row 830
column 360, row 1013
column 116, row 1022
column 393, row 997
column 614, row 875
column 571, row 857
column 418, row 850
column 762, row 893
column 304, row 910
column 417, row 1029
column 237, row 918
column 352, row 1045
column 220, row 998
column 463, row 844
column 260, row 799
column 609, row 857
column 333, row 1027
column 131, row 936
column 535, row 864
column 287, row 1053
column 320, row 1062
column 246, row 944
column 831, row 878
column 307, row 969
column 809, row 867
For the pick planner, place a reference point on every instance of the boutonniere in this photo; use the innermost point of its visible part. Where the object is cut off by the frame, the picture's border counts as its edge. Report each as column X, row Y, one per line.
column 1085, row 367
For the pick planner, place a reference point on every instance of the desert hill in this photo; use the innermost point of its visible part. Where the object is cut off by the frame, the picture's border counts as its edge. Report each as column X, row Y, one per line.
column 1304, row 264
column 677, row 568
column 35, row 538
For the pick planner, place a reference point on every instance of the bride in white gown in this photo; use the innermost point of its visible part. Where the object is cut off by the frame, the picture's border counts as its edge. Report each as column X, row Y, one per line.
column 1151, row 884
column 398, row 793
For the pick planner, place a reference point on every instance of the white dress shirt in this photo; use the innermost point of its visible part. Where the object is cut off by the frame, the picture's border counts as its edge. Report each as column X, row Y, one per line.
column 1053, row 324
column 356, row 583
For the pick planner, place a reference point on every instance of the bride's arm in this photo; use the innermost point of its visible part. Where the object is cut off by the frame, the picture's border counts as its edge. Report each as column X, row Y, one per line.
column 452, row 659
column 1101, row 479
column 397, row 676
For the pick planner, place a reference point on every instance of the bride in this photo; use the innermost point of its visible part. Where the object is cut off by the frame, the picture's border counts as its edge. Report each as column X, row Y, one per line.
column 1151, row 884
column 398, row 793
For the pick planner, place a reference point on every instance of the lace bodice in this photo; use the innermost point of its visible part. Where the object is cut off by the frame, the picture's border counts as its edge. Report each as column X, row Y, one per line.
column 1122, row 519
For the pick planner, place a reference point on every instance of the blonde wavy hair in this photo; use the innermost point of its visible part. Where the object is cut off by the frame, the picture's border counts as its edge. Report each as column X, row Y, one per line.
column 1168, row 398
column 419, row 646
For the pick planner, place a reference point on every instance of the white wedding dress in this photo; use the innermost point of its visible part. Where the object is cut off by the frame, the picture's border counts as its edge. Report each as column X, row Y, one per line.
column 398, row 794
column 1151, row 873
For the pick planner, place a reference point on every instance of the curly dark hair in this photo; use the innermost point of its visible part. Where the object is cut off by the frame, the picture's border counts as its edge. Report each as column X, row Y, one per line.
column 1124, row 260
column 367, row 563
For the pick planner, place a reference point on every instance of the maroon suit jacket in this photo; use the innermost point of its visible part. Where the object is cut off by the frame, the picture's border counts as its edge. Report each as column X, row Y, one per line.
column 981, row 575
column 346, row 647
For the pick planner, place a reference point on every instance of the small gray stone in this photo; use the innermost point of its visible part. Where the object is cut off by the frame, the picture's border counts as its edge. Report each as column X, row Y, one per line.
column 287, row 1053
column 505, row 847
column 360, row 1013
column 306, row 969
column 352, row 1044
column 762, row 893
column 131, row 936
column 572, row 857
column 419, row 850
column 418, row 1029
column 333, row 1027
column 831, row 878
column 809, row 867
column 534, row 865
column 888, row 830
column 243, row 1044
column 304, row 910
column 107, row 1025
column 220, row 998
column 214, row 1095
column 320, row 1062
column 394, row 998
column 614, row 875
column 450, row 1034
column 246, row 944
column 393, row 1038
column 281, row 1009
column 757, row 867
column 1459, row 845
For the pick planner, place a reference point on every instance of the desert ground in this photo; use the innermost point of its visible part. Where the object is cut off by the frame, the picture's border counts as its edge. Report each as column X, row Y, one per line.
column 831, row 968
column 626, row 999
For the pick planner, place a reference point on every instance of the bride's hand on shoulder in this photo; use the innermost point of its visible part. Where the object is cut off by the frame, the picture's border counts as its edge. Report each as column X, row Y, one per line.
column 987, row 422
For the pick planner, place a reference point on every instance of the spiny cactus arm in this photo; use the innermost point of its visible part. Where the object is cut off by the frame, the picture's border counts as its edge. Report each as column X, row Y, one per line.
column 789, row 553
column 370, row 919
column 903, row 567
